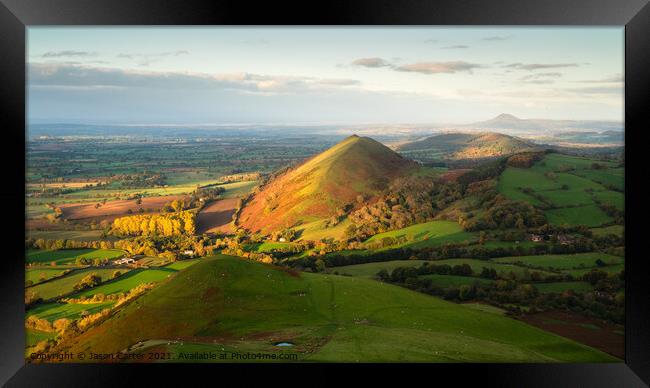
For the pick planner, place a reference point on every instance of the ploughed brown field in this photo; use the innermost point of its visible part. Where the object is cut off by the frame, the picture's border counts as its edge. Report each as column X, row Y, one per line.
column 79, row 211
column 604, row 336
column 216, row 217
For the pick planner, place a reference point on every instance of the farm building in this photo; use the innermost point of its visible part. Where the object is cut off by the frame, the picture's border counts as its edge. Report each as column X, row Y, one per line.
column 125, row 260
column 564, row 239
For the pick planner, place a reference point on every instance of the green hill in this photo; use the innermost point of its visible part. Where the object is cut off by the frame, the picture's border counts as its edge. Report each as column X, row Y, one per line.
column 225, row 304
column 324, row 184
column 461, row 146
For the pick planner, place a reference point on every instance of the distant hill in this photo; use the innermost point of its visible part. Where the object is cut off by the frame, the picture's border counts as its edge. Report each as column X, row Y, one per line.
column 509, row 123
column 324, row 184
column 459, row 146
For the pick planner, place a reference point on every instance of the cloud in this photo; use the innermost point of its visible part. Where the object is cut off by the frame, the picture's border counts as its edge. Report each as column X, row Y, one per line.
column 597, row 90
column 458, row 46
column 68, row 53
column 497, row 37
column 438, row 67
column 540, row 78
column 613, row 79
column 537, row 66
column 145, row 59
column 80, row 77
column 339, row 82
column 540, row 81
column 371, row 62
column 431, row 41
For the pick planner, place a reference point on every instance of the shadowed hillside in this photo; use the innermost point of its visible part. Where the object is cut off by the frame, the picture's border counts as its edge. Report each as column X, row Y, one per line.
column 324, row 184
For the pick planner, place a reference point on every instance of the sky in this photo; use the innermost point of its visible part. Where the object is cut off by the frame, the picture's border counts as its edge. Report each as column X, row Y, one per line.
column 327, row 75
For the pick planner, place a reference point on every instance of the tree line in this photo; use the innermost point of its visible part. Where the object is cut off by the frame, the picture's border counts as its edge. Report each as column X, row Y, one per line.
column 169, row 224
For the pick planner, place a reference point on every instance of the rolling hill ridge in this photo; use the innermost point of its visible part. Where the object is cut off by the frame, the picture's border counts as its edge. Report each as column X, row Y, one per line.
column 458, row 146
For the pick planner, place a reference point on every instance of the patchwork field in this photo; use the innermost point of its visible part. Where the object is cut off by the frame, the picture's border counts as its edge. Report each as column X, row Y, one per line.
column 32, row 337
column 611, row 269
column 77, row 235
column 65, row 285
column 127, row 281
column 589, row 215
column 54, row 311
column 326, row 317
column 545, row 265
column 560, row 287
column 454, row 281
column 478, row 265
column 69, row 256
column 38, row 275
column 616, row 230
column 80, row 205
column 568, row 188
column 369, row 270
column 563, row 262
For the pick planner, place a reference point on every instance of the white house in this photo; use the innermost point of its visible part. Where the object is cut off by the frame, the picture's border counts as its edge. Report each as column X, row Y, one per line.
column 125, row 260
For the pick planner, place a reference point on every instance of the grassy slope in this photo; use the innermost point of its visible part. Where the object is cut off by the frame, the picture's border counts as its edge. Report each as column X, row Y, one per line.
column 129, row 281
column 230, row 303
column 427, row 234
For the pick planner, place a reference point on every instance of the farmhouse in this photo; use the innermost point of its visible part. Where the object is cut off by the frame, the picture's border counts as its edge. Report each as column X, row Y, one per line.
column 125, row 260
column 536, row 237
column 188, row 253
column 564, row 239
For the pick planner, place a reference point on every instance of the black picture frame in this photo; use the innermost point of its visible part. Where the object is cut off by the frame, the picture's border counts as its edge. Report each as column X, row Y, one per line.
column 16, row 15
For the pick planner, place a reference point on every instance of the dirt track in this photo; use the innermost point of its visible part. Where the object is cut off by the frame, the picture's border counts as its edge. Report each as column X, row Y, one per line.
column 217, row 216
